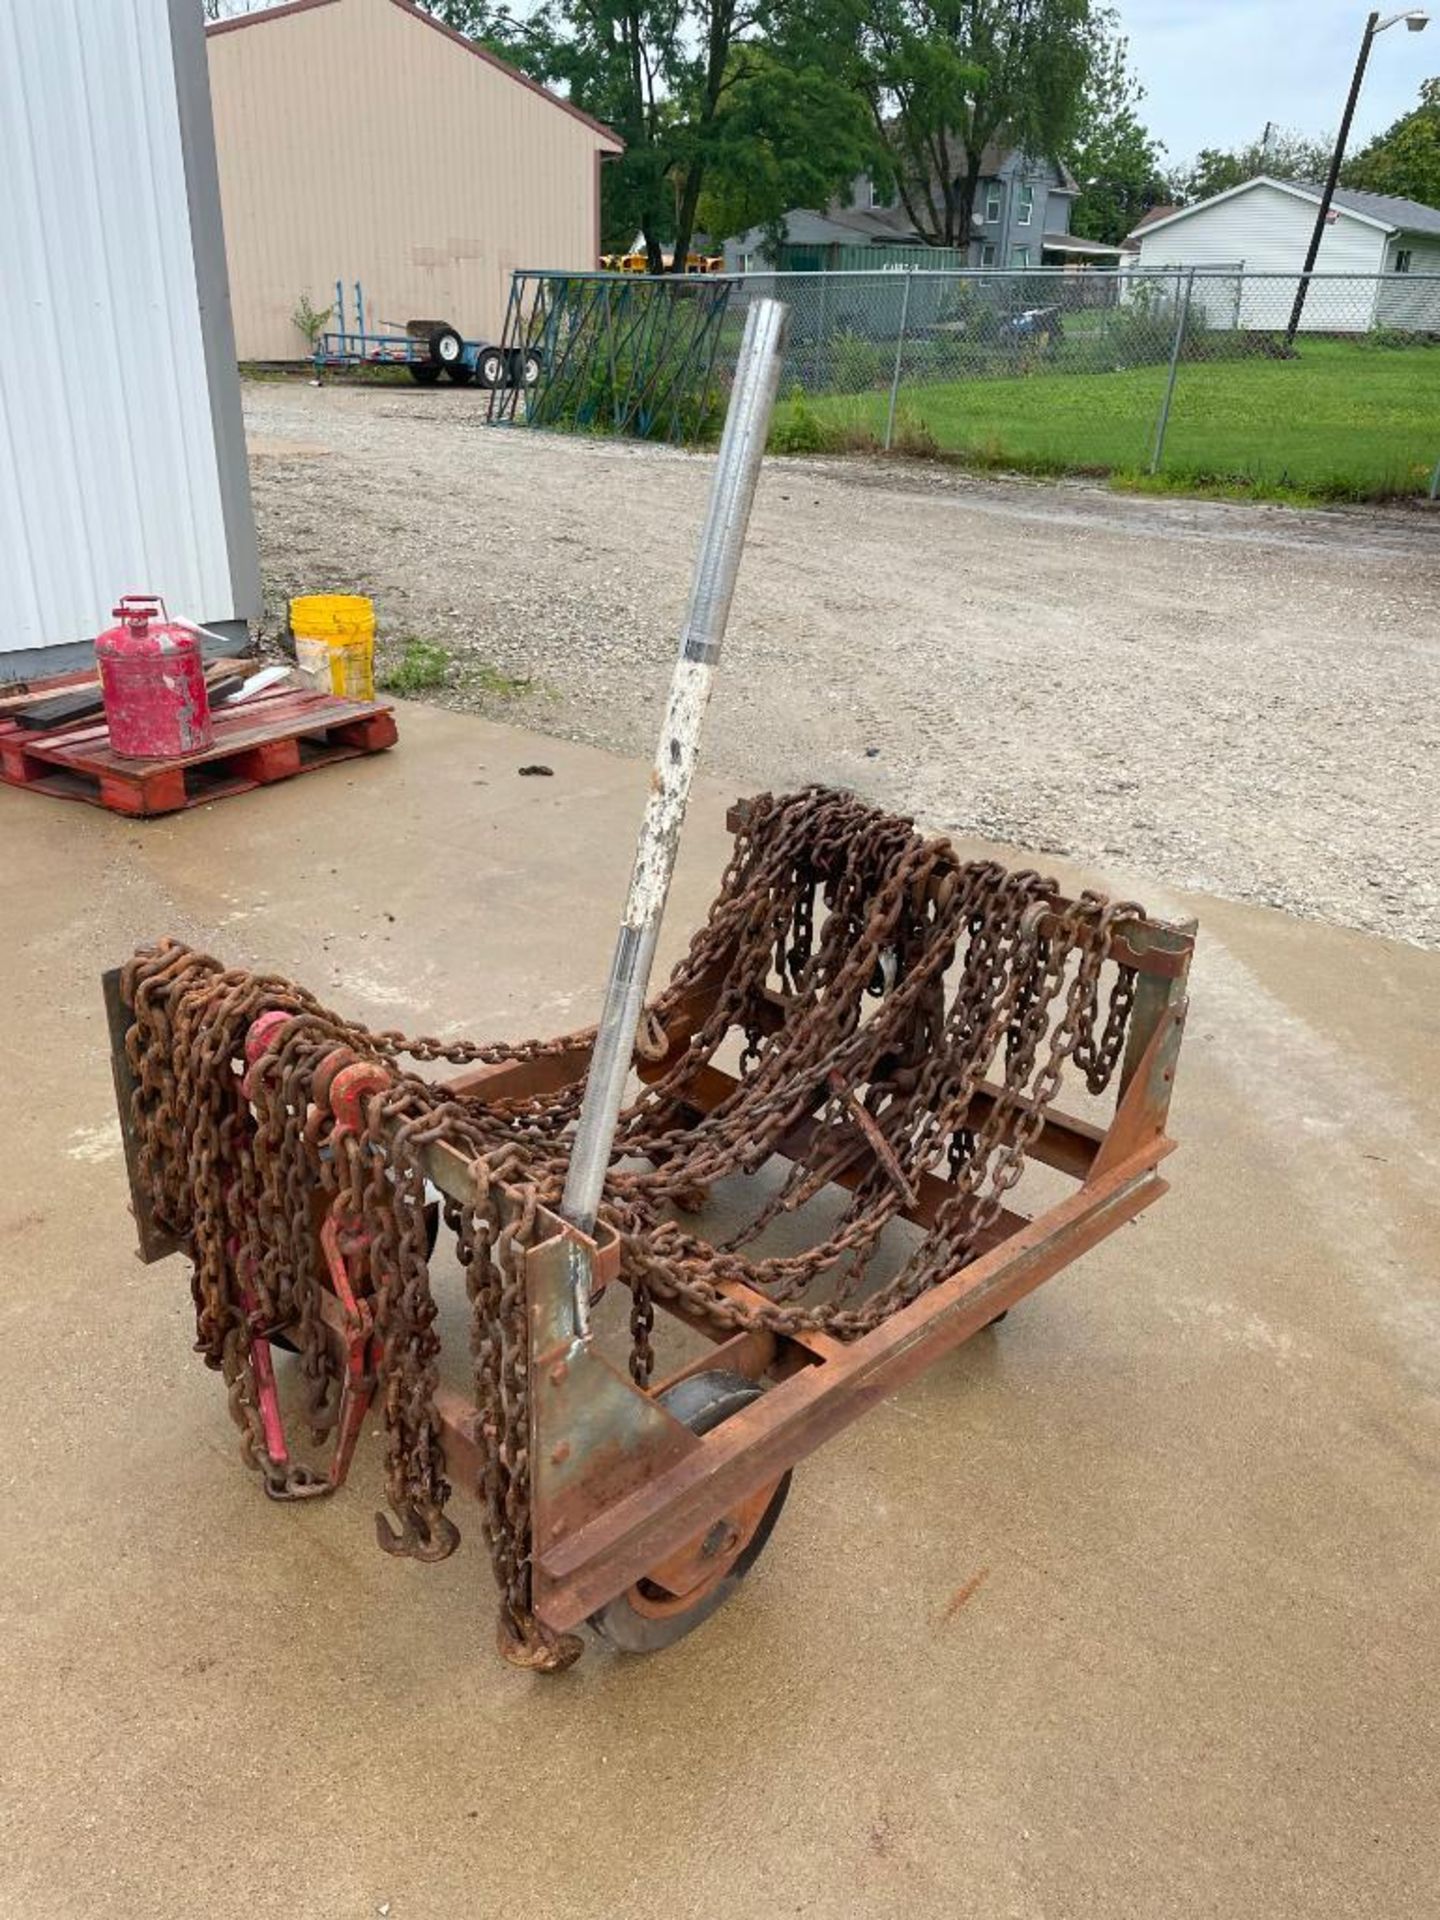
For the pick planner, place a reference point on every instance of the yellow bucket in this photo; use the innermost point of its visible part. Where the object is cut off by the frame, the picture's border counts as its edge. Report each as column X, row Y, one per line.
column 335, row 643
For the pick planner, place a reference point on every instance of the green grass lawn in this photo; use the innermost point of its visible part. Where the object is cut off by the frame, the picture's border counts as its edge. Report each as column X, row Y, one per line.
column 1341, row 421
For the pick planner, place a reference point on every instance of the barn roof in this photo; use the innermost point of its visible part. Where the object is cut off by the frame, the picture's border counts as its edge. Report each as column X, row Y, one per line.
column 428, row 19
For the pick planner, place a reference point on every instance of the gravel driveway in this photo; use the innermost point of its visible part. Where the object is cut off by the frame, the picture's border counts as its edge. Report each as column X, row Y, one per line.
column 1237, row 700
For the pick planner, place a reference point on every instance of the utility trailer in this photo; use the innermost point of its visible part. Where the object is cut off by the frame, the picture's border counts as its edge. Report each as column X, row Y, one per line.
column 430, row 349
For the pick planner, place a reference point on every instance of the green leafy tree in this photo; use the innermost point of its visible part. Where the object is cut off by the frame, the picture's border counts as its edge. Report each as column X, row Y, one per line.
column 792, row 133
column 1405, row 159
column 1113, row 156
column 1281, row 154
column 946, row 79
column 739, row 97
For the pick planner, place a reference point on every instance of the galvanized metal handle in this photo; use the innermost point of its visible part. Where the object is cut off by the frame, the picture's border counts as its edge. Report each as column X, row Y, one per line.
column 752, row 398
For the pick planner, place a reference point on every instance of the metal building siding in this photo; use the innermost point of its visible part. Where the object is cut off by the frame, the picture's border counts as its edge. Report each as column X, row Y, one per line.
column 109, row 475
column 357, row 142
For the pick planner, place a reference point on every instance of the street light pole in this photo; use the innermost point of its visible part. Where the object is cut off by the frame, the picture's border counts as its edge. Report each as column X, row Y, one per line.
column 1415, row 19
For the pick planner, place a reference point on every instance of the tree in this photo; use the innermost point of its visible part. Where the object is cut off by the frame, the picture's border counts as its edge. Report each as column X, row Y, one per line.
column 1405, row 159
column 736, row 95
column 791, row 135
column 1282, row 154
column 1113, row 156
column 947, row 79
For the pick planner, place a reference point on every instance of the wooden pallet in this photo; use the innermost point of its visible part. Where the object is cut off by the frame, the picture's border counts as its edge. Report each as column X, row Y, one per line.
column 271, row 737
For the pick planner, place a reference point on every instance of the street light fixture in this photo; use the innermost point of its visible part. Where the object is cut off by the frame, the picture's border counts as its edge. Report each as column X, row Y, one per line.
column 1416, row 20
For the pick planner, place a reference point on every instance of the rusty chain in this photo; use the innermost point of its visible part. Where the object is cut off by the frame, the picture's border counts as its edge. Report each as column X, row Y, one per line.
column 877, row 981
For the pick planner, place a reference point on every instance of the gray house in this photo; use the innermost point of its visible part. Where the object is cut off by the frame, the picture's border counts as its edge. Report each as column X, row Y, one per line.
column 1021, row 219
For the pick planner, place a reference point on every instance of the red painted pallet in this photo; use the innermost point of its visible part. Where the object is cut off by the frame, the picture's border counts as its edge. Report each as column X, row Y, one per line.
column 270, row 737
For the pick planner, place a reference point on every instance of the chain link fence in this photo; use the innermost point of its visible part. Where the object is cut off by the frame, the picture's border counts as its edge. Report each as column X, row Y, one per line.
column 1186, row 373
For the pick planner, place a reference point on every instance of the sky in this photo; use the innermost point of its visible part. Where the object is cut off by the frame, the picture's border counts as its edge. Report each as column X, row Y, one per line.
column 1214, row 71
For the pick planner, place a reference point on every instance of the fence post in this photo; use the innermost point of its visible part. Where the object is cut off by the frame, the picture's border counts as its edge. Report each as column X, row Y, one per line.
column 899, row 349
column 1181, row 315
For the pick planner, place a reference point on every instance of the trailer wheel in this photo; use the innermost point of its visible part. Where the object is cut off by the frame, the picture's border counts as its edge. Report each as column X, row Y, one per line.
column 447, row 349
column 525, row 366
column 651, row 1615
column 460, row 375
column 423, row 373
column 491, row 367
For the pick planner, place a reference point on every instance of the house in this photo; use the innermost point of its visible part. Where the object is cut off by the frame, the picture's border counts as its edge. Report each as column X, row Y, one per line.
column 1130, row 247
column 1263, row 227
column 363, row 140
column 122, row 466
column 1021, row 219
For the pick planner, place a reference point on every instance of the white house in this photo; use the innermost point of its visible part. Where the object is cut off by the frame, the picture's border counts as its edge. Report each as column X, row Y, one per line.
column 1263, row 227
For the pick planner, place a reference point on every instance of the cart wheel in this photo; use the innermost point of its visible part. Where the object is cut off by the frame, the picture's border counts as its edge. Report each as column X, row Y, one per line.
column 491, row 367
column 524, row 366
column 998, row 1318
column 460, row 375
column 423, row 374
column 447, row 349
column 697, row 1580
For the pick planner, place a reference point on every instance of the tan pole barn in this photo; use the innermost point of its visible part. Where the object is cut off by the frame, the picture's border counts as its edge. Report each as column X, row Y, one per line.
column 362, row 140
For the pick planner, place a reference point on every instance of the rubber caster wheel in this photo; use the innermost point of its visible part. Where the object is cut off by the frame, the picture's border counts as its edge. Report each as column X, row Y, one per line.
column 696, row 1581
column 998, row 1318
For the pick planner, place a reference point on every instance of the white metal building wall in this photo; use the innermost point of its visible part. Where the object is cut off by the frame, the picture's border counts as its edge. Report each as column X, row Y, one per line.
column 111, row 457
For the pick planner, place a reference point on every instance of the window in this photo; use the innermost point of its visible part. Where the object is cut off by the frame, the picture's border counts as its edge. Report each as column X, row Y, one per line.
column 1027, row 206
column 992, row 203
column 1020, row 256
column 878, row 196
column 987, row 253
column 1403, row 258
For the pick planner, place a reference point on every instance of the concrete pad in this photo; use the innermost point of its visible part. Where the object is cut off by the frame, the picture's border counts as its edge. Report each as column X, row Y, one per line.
column 1128, row 1608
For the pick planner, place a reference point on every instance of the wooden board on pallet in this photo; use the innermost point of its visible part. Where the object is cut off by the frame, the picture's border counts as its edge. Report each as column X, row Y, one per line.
column 18, row 694
column 270, row 737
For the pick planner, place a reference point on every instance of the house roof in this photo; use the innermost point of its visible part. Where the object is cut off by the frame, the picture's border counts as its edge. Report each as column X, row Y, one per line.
column 874, row 223
column 266, row 14
column 1384, row 210
column 1152, row 218
column 1409, row 216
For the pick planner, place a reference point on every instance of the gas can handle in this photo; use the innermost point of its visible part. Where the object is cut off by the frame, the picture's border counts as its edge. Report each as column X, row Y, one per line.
column 137, row 609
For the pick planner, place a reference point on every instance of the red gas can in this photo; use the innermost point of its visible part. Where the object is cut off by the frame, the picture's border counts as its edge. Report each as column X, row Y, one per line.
column 152, row 678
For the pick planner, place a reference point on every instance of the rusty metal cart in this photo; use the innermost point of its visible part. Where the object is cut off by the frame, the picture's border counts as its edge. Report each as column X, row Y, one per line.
column 866, row 1025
